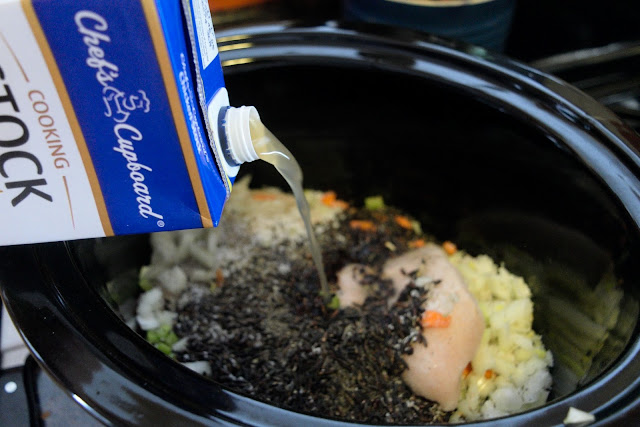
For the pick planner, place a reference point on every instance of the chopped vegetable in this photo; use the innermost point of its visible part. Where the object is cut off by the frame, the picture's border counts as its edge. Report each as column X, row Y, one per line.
column 488, row 374
column 168, row 335
column 163, row 348
column 163, row 338
column 374, row 203
column 331, row 199
column 467, row 370
column 143, row 278
column 417, row 228
column 152, row 336
column 334, row 304
column 403, row 222
column 390, row 246
column 435, row 319
column 363, row 225
column 418, row 243
column 145, row 284
column 449, row 247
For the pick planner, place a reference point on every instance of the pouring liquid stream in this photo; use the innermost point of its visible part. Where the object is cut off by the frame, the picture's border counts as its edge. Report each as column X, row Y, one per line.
column 272, row 151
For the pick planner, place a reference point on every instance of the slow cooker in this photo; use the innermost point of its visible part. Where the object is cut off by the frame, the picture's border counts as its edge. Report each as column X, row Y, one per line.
column 485, row 151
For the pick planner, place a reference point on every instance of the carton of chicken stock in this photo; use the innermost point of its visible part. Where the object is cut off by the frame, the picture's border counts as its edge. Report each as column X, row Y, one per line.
column 102, row 128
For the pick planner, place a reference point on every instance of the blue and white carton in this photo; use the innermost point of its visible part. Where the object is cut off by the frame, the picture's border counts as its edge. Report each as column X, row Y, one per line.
column 103, row 130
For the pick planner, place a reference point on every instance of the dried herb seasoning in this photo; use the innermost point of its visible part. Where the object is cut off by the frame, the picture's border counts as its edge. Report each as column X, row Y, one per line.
column 268, row 334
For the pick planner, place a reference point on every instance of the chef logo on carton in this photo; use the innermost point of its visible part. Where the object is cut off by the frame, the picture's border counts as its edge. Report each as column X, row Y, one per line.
column 119, row 106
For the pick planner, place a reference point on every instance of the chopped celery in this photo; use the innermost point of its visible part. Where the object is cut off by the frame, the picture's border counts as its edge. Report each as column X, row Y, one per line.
column 374, row 203
column 165, row 348
column 334, row 304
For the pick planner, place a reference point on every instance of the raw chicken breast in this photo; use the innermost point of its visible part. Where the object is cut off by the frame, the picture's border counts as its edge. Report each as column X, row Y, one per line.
column 435, row 370
column 352, row 290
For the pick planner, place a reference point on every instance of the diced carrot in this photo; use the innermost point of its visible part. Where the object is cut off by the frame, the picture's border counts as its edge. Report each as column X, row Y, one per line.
column 418, row 243
column 449, row 247
column 403, row 222
column 435, row 319
column 488, row 374
column 263, row 196
column 329, row 198
column 467, row 370
column 363, row 225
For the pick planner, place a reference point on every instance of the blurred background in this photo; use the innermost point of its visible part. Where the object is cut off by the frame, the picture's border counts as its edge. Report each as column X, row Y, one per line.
column 539, row 28
column 594, row 45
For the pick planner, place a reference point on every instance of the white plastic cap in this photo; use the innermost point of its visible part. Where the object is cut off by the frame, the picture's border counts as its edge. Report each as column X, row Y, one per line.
column 238, row 133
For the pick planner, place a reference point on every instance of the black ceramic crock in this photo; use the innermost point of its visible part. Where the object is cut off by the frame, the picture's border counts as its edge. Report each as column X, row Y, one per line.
column 484, row 151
